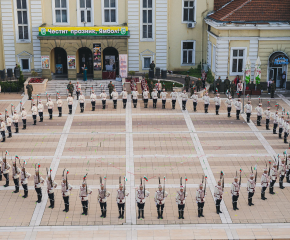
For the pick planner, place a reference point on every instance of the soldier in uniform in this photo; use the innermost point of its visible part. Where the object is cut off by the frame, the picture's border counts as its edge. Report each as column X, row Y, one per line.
column 238, row 106
column 102, row 199
column 192, row 87
column 82, row 101
column 38, row 182
column 103, row 96
column 5, row 170
column 59, row 106
column 152, row 66
column 24, row 181
column 281, row 125
column 159, row 199
column 70, row 103
column 227, row 84
column 217, row 101
column 145, row 98
column 158, row 88
column 3, row 130
column 51, row 185
column 282, row 172
column 198, row 85
column 155, row 97
column 217, row 85
column 78, row 89
column 34, row 113
column 200, row 196
column 124, row 95
column 273, row 88
column 229, row 105
column 232, row 89
column 111, row 87
column 286, row 130
column 23, row 115
column 259, row 110
column 268, row 116
column 141, row 196
column 180, row 200
column 8, row 124
column 29, row 88
column 206, row 100
column 173, row 98
column 275, row 122
column 235, row 191
column 40, row 110
column 93, row 100
column 70, row 88
column 150, row 86
column 15, row 176
column 121, row 198
column 65, row 189
column 248, row 108
column 50, row 105
column 163, row 97
column 273, row 177
column 115, row 95
column 186, row 80
column 15, row 119
column 218, row 196
column 195, row 100
column 288, row 169
column 184, row 98
column 84, row 193
column 264, row 183
column 251, row 185
column 135, row 97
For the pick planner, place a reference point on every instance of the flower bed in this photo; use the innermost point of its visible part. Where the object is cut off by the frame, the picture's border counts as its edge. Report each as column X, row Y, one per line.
column 36, row 80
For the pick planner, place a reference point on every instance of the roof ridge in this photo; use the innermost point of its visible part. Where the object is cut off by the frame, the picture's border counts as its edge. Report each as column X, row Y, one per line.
column 229, row 14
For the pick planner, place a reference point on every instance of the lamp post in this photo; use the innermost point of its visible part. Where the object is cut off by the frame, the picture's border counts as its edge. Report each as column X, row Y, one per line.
column 244, row 90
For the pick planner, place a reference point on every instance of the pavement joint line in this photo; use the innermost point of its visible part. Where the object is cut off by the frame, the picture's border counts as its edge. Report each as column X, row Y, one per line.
column 284, row 99
column 23, row 100
column 225, row 216
column 40, row 208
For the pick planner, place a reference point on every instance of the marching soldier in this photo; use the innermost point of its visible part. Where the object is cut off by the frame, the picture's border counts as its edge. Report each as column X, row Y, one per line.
column 218, row 195
column 282, row 172
column 275, row 122
column 159, row 199
column 155, row 97
column 121, row 198
column 141, row 195
column 15, row 119
column 173, row 98
column 184, row 98
column 82, row 100
column 24, row 181
column 229, row 105
column 145, row 98
column 264, row 183
column 281, row 125
column 51, row 185
column 273, row 177
column 180, row 200
column 251, row 185
column 286, row 130
column 287, row 169
column 38, row 182
column 84, row 193
column 235, row 191
column 124, row 95
column 34, row 113
column 195, row 100
column 50, row 105
column 40, row 110
column 163, row 97
column 103, row 96
column 135, row 97
column 248, row 108
column 268, row 116
column 102, row 199
column 3, row 130
column 206, row 102
column 8, row 124
column 5, row 170
column 114, row 95
column 217, row 101
column 93, row 100
column 23, row 115
column 15, row 176
column 78, row 89
column 111, row 87
column 70, row 88
column 65, row 189
column 238, row 106
column 70, row 103
column 59, row 106
column 200, row 196
column 259, row 110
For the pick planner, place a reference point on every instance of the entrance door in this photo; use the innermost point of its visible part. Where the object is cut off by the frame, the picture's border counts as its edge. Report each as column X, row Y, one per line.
column 110, row 63
column 86, row 57
column 60, row 61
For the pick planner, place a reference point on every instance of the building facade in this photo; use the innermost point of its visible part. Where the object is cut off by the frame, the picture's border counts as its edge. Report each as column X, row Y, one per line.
column 57, row 37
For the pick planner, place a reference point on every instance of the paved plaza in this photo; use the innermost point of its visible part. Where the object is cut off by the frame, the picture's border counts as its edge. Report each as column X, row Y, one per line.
column 134, row 142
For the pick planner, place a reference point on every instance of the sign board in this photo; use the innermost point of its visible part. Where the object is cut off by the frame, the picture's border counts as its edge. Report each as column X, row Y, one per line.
column 71, row 62
column 281, row 61
column 97, row 50
column 45, row 62
column 123, row 60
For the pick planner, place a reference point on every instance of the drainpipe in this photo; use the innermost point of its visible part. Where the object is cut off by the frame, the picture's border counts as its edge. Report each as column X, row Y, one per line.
column 202, row 17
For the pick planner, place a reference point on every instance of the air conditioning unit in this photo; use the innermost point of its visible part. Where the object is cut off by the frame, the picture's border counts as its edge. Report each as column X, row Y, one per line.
column 191, row 25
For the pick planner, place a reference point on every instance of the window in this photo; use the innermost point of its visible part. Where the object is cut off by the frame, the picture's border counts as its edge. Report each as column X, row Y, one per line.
column 22, row 20
column 146, row 62
column 110, row 11
column 237, row 60
column 25, row 65
column 61, row 11
column 213, row 58
column 188, row 11
column 85, row 13
column 188, row 52
column 147, row 21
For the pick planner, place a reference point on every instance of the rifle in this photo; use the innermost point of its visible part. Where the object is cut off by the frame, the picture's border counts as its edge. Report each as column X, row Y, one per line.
column 240, row 177
column 46, row 97
column 67, row 92
column 38, row 173
column 205, row 185
column 124, row 185
column 144, row 186
column 181, row 181
column 278, row 163
column 185, row 186
column 23, row 167
column 12, row 109
column 269, row 103
column 48, row 176
column 66, row 179
column 222, row 177
column 164, row 187
column 37, row 99
column 269, row 167
column 286, row 159
column 5, row 114
column 63, row 174
column 20, row 106
column 85, row 177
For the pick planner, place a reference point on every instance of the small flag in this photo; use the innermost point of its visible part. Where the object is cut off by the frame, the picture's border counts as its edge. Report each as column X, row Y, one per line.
column 146, row 178
column 216, row 90
column 185, row 179
column 50, row 170
column 222, row 173
column 205, row 177
column 164, row 178
column 240, row 170
column 255, row 168
column 11, row 104
column 7, row 153
column 38, row 165
column 269, row 161
column 16, row 157
column 25, row 162
column 67, row 172
column 105, row 178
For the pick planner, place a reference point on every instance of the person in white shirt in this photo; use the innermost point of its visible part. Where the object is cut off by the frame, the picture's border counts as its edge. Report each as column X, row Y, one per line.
column 281, row 124
column 238, row 105
column 93, row 100
column 40, row 110
column 240, row 88
column 145, row 98
column 50, row 105
column 135, row 97
column 103, row 96
column 229, row 105
column 268, row 116
column 124, row 95
column 15, row 119
column 264, row 183
column 82, row 100
column 84, row 196
column 59, row 106
column 286, row 130
column 163, row 97
column 8, row 125
column 248, row 108
column 259, row 110
column 184, row 98
column 158, row 88
column 217, row 101
column 114, row 95
column 70, row 103
column 251, row 187
column 155, row 97
column 195, row 100
column 206, row 102
column 34, row 113
column 2, row 130
column 23, row 115
column 173, row 98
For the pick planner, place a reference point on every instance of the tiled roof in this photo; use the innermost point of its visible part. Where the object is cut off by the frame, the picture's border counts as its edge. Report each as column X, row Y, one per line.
column 253, row 11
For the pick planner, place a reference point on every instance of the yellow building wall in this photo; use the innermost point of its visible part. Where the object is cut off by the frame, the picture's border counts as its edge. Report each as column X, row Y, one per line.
column 1, row 45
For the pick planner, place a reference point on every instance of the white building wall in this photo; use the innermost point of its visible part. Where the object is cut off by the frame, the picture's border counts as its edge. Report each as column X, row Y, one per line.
column 222, row 56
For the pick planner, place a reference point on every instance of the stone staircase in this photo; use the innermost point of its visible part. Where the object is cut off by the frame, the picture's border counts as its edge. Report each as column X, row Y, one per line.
column 98, row 85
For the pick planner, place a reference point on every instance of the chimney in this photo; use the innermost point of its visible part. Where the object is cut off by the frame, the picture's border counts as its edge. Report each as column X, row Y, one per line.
column 219, row 3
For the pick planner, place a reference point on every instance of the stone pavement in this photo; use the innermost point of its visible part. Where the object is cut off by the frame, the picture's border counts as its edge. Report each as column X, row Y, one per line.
column 134, row 142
